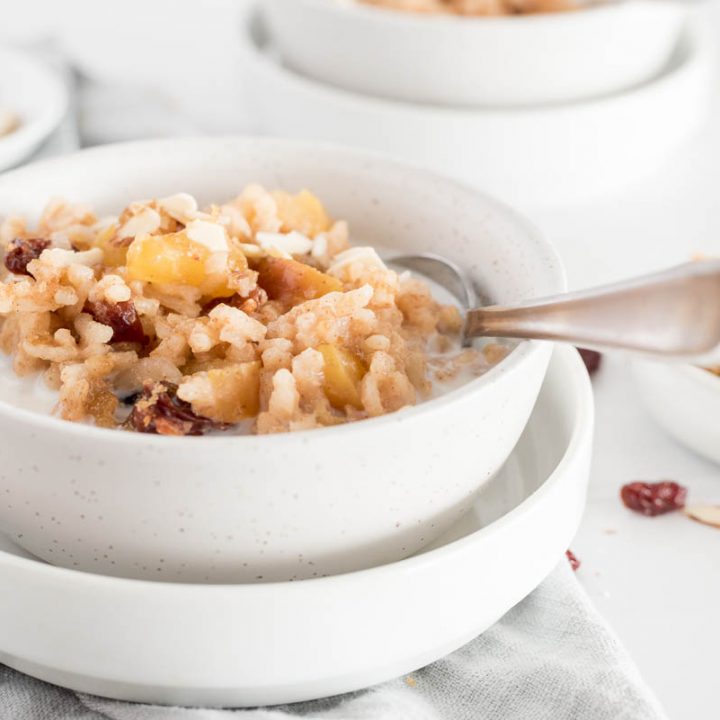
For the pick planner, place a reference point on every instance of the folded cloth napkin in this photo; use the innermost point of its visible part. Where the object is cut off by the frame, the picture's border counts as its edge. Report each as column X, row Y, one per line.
column 552, row 657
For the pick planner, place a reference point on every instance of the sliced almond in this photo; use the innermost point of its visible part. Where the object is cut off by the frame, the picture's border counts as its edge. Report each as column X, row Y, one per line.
column 57, row 257
column 252, row 251
column 705, row 514
column 292, row 243
column 146, row 222
column 209, row 234
column 365, row 255
column 180, row 206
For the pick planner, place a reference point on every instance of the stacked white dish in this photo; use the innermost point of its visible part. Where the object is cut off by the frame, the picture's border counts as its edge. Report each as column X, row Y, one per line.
column 534, row 126
column 247, row 645
column 184, row 542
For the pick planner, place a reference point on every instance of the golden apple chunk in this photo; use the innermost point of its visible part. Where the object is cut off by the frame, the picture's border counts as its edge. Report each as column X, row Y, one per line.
column 343, row 373
column 292, row 282
column 302, row 212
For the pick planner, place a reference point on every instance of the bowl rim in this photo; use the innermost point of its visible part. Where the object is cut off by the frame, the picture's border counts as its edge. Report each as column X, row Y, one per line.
column 693, row 49
column 473, row 22
column 33, row 130
column 554, row 268
column 695, row 373
column 579, row 438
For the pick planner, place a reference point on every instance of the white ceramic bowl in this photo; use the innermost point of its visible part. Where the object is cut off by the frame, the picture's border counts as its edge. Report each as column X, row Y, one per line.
column 685, row 401
column 528, row 156
column 286, row 506
column 37, row 95
column 240, row 645
column 466, row 61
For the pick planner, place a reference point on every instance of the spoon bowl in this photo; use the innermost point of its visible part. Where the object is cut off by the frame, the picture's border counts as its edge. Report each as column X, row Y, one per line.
column 671, row 314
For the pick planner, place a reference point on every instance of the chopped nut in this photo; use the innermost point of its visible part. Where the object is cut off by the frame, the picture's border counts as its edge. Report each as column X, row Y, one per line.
column 146, row 222
column 705, row 514
column 292, row 243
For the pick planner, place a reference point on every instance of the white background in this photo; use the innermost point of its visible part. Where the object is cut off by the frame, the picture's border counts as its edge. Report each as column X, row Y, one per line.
column 656, row 580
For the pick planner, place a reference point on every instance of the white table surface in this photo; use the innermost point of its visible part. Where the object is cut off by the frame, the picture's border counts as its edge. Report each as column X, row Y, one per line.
column 657, row 580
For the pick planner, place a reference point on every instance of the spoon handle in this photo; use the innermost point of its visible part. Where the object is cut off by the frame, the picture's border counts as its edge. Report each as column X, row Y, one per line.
column 672, row 314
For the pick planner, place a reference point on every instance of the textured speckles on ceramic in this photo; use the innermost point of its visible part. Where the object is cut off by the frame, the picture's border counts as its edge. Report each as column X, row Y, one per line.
column 231, row 509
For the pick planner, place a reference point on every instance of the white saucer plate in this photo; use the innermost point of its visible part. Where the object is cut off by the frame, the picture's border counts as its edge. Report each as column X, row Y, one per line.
column 36, row 95
column 263, row 644
column 537, row 155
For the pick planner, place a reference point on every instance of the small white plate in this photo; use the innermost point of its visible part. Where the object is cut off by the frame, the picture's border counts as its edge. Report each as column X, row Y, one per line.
column 531, row 156
column 246, row 645
column 685, row 401
column 36, row 95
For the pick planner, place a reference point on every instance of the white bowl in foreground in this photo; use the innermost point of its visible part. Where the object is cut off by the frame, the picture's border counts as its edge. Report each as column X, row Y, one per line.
column 248, row 645
column 36, row 95
column 685, row 401
column 295, row 505
column 532, row 156
column 477, row 61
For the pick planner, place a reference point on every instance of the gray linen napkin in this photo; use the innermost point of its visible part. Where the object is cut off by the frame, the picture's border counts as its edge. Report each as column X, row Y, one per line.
column 552, row 657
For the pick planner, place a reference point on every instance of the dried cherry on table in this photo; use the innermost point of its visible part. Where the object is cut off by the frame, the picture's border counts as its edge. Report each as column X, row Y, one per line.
column 591, row 358
column 575, row 563
column 654, row 498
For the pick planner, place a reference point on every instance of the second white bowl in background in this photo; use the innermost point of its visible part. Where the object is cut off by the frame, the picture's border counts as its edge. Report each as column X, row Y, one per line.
column 685, row 401
column 528, row 156
column 36, row 95
column 477, row 61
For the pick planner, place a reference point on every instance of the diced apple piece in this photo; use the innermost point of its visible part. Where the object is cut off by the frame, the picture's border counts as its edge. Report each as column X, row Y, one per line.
column 227, row 394
column 343, row 373
column 114, row 254
column 302, row 212
column 237, row 389
column 292, row 282
column 216, row 284
column 169, row 258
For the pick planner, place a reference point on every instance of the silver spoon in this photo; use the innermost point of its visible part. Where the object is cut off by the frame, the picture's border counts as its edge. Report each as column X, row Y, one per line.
column 670, row 314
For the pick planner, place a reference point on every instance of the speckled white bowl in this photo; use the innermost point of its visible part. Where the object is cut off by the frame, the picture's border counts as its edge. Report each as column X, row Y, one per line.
column 37, row 95
column 236, row 509
column 476, row 61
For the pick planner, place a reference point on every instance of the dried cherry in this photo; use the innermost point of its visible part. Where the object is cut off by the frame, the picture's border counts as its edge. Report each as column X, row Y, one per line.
column 591, row 358
column 22, row 251
column 572, row 559
column 122, row 317
column 654, row 498
column 160, row 411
